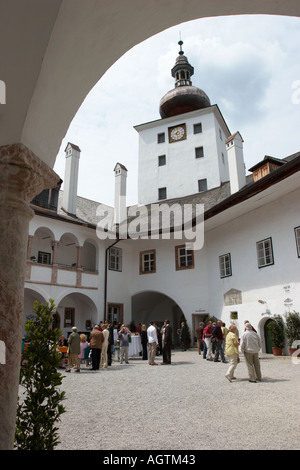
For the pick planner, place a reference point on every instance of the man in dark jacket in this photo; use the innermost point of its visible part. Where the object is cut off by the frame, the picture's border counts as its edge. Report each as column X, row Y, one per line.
column 217, row 338
column 167, row 343
column 96, row 340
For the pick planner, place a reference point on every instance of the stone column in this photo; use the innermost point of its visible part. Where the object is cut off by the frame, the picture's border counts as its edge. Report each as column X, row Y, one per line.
column 54, row 263
column 22, row 176
column 79, row 268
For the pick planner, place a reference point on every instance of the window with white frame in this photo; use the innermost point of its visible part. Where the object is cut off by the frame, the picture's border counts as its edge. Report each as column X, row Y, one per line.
column 297, row 235
column 264, row 253
column 44, row 258
column 225, row 265
column 184, row 257
column 147, row 262
column 115, row 259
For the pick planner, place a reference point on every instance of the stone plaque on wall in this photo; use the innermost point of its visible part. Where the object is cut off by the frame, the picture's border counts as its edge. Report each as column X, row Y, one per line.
column 233, row 297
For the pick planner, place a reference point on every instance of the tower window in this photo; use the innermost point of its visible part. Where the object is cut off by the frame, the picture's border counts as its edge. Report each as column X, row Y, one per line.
column 199, row 153
column 202, row 185
column 162, row 193
column 161, row 160
column 161, row 138
column 198, row 128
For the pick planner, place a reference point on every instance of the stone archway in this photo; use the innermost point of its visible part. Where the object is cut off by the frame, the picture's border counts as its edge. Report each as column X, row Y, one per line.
column 41, row 37
column 155, row 306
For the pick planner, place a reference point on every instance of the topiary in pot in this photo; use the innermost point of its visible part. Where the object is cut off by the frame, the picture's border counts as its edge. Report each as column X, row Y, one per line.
column 292, row 328
column 277, row 334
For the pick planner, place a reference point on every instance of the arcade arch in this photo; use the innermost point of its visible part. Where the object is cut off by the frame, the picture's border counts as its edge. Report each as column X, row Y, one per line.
column 155, row 306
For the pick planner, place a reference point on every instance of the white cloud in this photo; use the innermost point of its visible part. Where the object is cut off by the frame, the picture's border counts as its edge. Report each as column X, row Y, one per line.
column 246, row 64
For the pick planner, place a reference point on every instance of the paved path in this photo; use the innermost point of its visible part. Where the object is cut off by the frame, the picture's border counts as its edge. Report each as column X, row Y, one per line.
column 188, row 405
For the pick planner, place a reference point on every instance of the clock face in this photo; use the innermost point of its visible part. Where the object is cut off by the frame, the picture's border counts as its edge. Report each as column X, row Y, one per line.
column 177, row 133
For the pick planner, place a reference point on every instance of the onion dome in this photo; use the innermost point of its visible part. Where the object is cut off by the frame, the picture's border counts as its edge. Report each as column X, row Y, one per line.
column 184, row 97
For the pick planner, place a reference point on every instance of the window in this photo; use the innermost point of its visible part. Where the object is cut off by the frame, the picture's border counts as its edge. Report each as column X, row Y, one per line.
column 297, row 235
column 198, row 128
column 44, row 258
column 69, row 319
column 225, row 265
column 199, row 153
column 202, row 185
column 115, row 259
column 184, row 258
column 48, row 198
column 161, row 160
column 162, row 193
column 264, row 252
column 147, row 262
column 115, row 313
column 161, row 138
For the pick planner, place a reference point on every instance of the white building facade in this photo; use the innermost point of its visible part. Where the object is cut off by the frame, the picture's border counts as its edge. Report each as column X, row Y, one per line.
column 247, row 267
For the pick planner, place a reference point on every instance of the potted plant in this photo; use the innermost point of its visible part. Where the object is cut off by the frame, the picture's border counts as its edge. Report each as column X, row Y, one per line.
column 276, row 330
column 292, row 328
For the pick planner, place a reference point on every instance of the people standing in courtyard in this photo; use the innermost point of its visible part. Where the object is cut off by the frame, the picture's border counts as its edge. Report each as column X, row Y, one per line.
column 250, row 346
column 245, row 323
column 96, row 340
column 152, row 343
column 83, row 345
column 207, row 336
column 103, row 358
column 232, row 351
column 199, row 335
column 74, row 350
column 144, row 341
column 182, row 334
column 218, row 340
column 225, row 333
column 110, row 342
column 167, row 343
column 124, row 335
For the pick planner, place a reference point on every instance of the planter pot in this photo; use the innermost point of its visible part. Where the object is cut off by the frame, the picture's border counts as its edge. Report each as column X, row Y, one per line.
column 277, row 351
column 292, row 350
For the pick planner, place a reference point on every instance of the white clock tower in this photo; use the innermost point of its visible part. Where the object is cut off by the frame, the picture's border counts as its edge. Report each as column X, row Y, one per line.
column 184, row 152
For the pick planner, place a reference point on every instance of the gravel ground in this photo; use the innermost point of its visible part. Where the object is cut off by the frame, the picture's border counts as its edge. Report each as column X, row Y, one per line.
column 188, row 405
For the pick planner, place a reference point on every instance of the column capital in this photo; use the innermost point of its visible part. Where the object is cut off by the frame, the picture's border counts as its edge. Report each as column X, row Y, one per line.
column 25, row 175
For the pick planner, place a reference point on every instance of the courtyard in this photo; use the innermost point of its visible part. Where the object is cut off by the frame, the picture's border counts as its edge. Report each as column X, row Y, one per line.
column 188, row 405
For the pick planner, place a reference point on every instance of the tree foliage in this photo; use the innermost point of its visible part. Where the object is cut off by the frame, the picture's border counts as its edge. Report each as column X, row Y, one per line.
column 41, row 408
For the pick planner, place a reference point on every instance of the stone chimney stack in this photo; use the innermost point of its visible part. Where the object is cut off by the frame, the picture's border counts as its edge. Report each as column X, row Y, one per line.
column 236, row 165
column 71, row 178
column 120, row 194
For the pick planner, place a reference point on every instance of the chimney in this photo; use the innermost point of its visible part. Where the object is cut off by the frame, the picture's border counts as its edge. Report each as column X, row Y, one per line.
column 71, row 178
column 236, row 165
column 120, row 194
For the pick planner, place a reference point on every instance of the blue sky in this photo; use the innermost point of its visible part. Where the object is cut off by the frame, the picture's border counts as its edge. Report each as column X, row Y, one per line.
column 248, row 65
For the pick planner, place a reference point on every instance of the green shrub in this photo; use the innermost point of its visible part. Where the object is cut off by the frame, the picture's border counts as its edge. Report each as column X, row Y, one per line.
column 38, row 412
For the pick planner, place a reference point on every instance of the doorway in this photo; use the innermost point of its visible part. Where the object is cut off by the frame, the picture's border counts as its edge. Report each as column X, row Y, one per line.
column 268, row 342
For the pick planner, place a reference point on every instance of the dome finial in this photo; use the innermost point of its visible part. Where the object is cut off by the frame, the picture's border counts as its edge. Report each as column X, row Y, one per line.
column 180, row 42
